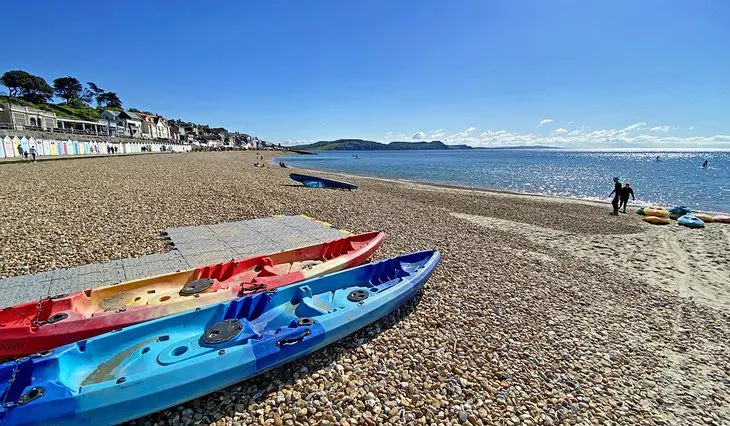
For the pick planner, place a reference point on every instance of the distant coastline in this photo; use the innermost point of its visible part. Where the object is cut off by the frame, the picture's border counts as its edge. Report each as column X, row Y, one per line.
column 365, row 145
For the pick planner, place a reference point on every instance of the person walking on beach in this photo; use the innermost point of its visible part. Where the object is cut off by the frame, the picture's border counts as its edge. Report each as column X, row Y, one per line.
column 20, row 152
column 625, row 192
column 33, row 153
column 616, row 195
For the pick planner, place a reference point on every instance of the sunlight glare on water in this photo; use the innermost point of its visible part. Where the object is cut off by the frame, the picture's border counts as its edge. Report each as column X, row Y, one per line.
column 676, row 179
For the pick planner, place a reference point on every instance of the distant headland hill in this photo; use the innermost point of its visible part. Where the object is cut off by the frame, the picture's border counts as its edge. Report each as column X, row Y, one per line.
column 363, row 145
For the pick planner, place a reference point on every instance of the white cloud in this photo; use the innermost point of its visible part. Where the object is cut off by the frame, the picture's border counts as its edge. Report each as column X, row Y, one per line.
column 438, row 134
column 583, row 137
column 418, row 135
column 545, row 121
column 660, row 129
column 461, row 137
column 637, row 126
column 691, row 127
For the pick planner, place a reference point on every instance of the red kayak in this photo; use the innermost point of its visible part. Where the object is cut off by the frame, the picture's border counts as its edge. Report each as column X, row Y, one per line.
column 37, row 326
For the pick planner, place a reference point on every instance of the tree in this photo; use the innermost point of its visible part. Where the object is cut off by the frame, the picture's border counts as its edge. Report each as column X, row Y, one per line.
column 37, row 90
column 95, row 91
column 15, row 81
column 26, row 85
column 67, row 88
column 109, row 100
column 87, row 96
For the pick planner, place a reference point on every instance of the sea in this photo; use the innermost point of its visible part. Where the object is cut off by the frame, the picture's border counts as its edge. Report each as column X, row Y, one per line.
column 668, row 178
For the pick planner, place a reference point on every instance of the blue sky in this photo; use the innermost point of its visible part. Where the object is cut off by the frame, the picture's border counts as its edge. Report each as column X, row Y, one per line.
column 478, row 72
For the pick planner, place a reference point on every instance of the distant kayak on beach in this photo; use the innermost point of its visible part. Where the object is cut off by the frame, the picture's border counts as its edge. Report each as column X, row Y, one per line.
column 677, row 179
column 318, row 182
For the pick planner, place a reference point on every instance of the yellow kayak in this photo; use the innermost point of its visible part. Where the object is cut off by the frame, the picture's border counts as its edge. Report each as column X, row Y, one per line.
column 705, row 217
column 656, row 220
column 656, row 211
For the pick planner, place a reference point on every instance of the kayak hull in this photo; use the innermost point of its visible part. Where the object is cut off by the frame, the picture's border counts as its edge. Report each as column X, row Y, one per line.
column 120, row 376
column 690, row 221
column 722, row 219
column 317, row 182
column 656, row 220
column 92, row 312
column 656, row 211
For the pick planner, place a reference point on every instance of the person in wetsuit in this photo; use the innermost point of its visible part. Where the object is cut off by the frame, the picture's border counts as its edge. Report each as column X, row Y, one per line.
column 625, row 192
column 704, row 165
column 616, row 195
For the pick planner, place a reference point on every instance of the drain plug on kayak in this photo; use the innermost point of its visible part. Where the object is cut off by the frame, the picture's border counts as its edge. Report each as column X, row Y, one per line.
column 223, row 331
column 304, row 321
column 32, row 395
column 197, row 286
column 358, row 295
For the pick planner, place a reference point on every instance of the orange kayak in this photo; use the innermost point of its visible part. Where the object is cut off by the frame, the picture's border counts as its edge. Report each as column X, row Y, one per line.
column 36, row 326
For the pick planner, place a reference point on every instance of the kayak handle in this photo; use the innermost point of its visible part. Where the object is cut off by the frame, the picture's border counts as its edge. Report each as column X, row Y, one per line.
column 293, row 340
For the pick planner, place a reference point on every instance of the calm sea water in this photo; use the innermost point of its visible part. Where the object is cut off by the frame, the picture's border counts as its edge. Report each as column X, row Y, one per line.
column 676, row 179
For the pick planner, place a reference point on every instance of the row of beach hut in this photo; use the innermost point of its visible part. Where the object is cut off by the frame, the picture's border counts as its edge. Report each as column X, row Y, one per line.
column 54, row 147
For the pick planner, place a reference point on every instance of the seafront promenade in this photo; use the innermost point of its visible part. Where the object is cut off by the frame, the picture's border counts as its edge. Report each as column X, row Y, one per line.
column 542, row 311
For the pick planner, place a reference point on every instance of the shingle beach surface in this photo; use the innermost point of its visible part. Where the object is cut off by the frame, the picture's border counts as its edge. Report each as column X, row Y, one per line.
column 532, row 316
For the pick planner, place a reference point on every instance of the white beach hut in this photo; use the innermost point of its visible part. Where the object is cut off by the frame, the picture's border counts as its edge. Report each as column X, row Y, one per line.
column 8, row 147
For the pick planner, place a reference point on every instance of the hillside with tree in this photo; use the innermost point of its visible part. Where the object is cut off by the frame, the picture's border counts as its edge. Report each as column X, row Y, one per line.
column 365, row 145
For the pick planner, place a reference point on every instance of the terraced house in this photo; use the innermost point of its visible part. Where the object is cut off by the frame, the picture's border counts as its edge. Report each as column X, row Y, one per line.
column 128, row 123
column 154, row 127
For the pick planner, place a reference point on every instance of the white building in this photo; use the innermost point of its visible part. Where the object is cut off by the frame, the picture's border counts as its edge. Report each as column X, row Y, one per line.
column 127, row 123
column 154, row 127
column 23, row 117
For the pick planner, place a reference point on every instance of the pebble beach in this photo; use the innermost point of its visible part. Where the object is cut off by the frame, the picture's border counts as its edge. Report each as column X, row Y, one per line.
column 542, row 311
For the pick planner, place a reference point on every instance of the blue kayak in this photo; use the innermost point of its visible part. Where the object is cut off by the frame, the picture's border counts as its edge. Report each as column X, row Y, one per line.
column 676, row 212
column 317, row 182
column 122, row 375
column 691, row 221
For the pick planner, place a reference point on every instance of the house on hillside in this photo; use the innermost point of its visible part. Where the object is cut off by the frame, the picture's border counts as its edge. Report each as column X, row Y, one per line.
column 127, row 123
column 188, row 132
column 212, row 141
column 24, row 117
column 175, row 131
column 154, row 127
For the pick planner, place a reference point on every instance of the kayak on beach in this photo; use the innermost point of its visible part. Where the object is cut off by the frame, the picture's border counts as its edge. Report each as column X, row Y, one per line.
column 677, row 212
column 37, row 326
column 656, row 220
column 655, row 211
column 147, row 367
column 690, row 221
column 317, row 182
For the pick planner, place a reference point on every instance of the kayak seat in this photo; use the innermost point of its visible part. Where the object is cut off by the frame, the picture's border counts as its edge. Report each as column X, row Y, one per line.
column 266, row 268
column 312, row 307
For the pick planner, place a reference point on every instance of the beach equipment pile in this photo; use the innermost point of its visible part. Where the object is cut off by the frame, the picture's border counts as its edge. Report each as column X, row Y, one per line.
column 655, row 215
column 109, row 355
column 658, row 215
